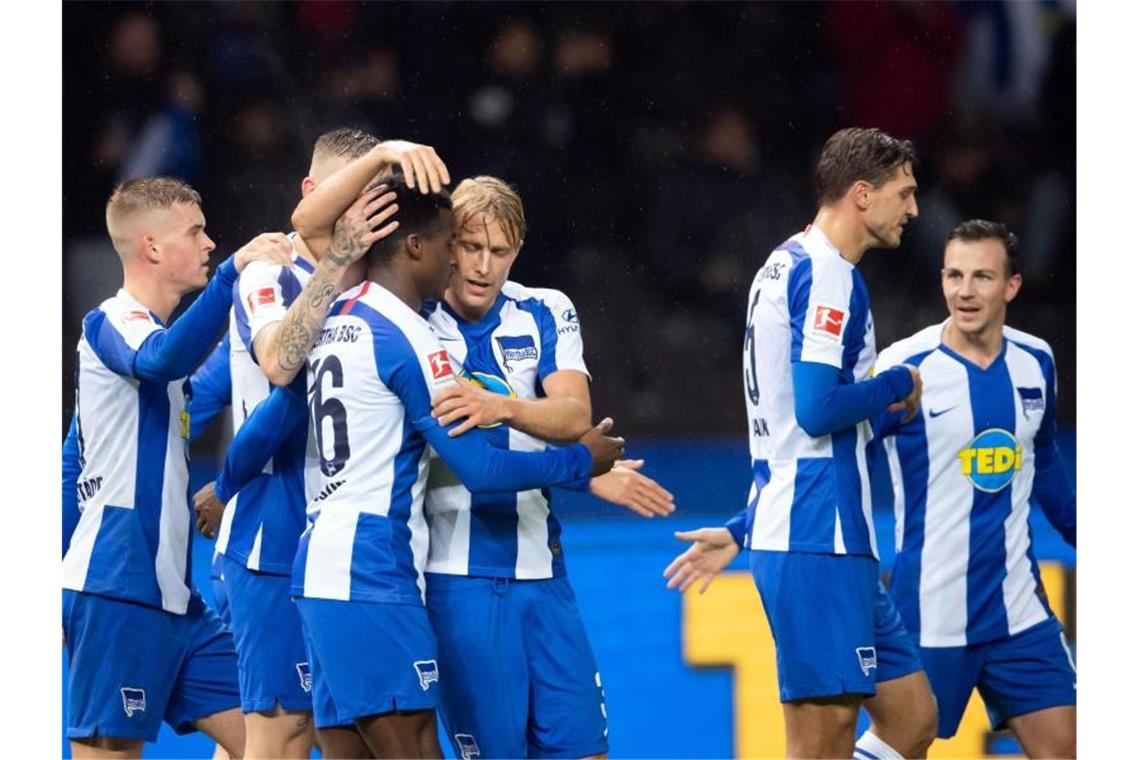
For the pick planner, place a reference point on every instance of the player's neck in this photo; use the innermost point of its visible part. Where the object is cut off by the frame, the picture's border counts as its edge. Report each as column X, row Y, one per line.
column 843, row 231
column 982, row 348
column 469, row 313
column 157, row 297
column 303, row 250
column 401, row 284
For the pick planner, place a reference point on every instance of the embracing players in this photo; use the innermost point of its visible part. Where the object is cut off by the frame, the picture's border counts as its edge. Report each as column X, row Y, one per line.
column 358, row 573
column 808, row 351
column 277, row 312
column 965, row 581
column 518, row 676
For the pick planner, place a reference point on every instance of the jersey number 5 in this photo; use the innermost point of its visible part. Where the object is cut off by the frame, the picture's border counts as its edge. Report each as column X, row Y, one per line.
column 321, row 409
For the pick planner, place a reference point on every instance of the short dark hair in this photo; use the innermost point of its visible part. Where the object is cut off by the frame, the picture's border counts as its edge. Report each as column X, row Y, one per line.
column 346, row 141
column 418, row 214
column 855, row 154
column 982, row 229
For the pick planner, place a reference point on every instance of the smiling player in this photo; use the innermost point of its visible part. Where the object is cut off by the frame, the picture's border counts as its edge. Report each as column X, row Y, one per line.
column 965, row 580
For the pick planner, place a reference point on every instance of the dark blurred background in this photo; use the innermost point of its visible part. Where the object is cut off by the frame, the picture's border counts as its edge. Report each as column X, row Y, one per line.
column 662, row 150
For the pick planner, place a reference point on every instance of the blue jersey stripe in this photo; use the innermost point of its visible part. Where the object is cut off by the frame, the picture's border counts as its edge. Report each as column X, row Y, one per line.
column 991, row 400
column 494, row 539
column 813, row 506
column 150, row 464
column 122, row 564
column 911, row 445
column 799, row 292
column 1048, row 429
column 854, row 338
column 856, row 536
column 548, row 334
column 109, row 344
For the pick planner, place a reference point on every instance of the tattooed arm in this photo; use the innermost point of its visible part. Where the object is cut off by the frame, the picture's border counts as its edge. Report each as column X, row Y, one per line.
column 282, row 348
column 315, row 216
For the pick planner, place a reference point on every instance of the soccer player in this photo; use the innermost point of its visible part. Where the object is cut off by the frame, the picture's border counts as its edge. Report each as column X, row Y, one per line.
column 276, row 313
column 965, row 580
column 142, row 646
column 358, row 573
column 517, row 675
column 808, row 350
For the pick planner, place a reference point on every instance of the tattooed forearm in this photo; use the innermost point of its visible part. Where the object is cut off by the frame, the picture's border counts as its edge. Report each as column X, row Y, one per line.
column 341, row 251
column 304, row 320
column 348, row 244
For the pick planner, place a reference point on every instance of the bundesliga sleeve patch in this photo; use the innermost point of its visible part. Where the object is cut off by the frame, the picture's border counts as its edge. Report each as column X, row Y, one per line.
column 828, row 322
column 261, row 297
column 135, row 315
column 440, row 366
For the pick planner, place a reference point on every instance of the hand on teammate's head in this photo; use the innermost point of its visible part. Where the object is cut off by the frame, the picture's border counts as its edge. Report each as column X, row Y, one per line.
column 422, row 166
column 365, row 222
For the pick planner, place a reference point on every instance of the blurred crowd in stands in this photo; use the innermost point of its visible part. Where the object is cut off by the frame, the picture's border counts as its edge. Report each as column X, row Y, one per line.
column 661, row 149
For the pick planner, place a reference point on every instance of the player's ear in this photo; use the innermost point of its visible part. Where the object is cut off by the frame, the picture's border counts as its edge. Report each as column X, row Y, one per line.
column 414, row 246
column 860, row 194
column 1012, row 287
column 150, row 249
column 307, row 185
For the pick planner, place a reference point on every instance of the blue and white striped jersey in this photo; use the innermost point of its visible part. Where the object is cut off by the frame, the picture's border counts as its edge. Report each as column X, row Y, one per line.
column 528, row 334
column 809, row 494
column 372, row 373
column 132, row 538
column 263, row 520
column 963, row 471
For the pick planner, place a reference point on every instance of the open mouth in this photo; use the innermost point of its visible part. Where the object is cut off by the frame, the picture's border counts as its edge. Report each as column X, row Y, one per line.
column 477, row 288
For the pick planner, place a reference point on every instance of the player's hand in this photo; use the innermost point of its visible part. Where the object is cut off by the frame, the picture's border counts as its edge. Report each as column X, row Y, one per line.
column 712, row 550
column 272, row 247
column 362, row 224
column 912, row 402
column 626, row 487
column 464, row 399
column 422, row 167
column 603, row 449
column 208, row 509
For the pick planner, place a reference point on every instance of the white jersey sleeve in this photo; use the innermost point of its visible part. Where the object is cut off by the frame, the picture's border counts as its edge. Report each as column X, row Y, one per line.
column 820, row 307
column 260, row 299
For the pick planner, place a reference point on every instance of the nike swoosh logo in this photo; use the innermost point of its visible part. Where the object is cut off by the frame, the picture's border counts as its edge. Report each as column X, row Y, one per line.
column 934, row 414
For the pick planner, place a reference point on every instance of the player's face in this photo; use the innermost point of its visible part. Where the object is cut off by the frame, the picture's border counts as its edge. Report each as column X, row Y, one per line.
column 891, row 206
column 975, row 285
column 436, row 257
column 483, row 259
column 183, row 246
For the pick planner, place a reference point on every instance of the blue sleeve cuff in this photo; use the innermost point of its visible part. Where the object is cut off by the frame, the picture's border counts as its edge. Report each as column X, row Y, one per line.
column 582, row 463
column 738, row 527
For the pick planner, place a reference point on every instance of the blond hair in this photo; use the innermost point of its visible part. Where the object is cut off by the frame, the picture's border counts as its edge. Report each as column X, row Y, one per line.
column 490, row 196
column 144, row 194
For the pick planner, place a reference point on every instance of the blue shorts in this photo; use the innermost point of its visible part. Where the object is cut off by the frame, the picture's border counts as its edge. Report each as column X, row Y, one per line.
column 131, row 667
column 517, row 675
column 1030, row 671
column 273, row 666
column 221, row 604
column 368, row 658
column 836, row 629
